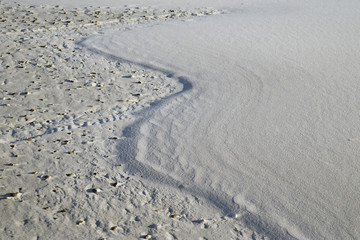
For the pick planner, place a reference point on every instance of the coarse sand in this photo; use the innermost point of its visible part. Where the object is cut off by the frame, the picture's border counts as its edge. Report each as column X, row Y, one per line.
column 62, row 111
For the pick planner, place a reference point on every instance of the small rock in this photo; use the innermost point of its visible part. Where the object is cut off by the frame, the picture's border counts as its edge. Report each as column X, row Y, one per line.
column 95, row 190
column 14, row 194
column 79, row 222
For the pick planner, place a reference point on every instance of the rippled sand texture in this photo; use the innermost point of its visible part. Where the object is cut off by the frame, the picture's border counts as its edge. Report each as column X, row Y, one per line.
column 268, row 128
column 63, row 110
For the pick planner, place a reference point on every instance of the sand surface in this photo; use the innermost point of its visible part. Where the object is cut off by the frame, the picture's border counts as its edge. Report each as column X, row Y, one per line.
column 268, row 127
column 159, row 119
column 63, row 112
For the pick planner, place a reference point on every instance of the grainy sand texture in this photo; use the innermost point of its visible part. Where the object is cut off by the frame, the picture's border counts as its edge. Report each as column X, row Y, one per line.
column 179, row 119
column 63, row 110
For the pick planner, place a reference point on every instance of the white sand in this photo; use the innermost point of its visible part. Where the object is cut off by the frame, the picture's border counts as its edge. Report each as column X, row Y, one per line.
column 241, row 125
column 269, row 129
column 63, row 112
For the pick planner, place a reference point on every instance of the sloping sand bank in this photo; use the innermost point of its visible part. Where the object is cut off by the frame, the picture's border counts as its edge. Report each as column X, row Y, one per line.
column 63, row 112
column 270, row 127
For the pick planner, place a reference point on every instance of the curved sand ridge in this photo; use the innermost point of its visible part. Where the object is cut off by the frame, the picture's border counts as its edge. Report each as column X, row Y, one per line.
column 270, row 128
column 63, row 111
column 32, row 52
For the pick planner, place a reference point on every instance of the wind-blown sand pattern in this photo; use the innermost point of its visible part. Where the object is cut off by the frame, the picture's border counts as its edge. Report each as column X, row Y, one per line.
column 269, row 128
column 63, row 110
column 152, row 122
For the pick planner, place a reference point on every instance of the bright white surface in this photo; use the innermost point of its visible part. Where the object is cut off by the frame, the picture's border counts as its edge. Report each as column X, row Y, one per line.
column 271, row 122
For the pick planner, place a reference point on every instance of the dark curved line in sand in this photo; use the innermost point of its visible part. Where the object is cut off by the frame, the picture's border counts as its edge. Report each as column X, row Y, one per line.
column 127, row 152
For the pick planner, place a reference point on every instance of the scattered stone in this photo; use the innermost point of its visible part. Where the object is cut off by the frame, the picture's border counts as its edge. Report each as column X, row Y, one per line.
column 95, row 190
column 46, row 177
column 79, row 222
column 14, row 194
